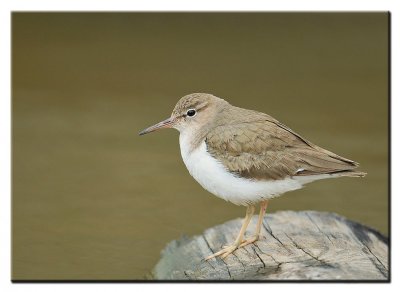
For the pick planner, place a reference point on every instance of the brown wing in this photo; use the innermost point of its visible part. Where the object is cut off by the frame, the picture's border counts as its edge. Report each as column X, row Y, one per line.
column 262, row 148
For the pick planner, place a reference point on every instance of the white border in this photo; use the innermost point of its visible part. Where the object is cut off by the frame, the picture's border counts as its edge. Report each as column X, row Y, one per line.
column 205, row 5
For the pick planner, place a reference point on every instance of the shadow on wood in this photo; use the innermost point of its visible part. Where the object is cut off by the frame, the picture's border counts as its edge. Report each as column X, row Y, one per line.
column 306, row 245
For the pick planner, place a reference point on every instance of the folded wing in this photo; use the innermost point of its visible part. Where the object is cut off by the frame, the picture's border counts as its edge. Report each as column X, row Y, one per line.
column 264, row 149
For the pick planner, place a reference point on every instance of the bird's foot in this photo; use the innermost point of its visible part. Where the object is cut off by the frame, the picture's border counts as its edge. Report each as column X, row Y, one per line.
column 228, row 249
column 249, row 240
column 224, row 252
column 245, row 241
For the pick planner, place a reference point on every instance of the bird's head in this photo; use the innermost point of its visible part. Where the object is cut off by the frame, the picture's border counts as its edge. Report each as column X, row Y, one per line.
column 192, row 111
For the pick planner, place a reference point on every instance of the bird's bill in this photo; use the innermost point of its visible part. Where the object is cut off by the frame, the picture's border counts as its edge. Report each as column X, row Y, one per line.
column 168, row 123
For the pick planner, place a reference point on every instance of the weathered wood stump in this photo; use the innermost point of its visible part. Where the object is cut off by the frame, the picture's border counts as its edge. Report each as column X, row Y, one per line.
column 304, row 245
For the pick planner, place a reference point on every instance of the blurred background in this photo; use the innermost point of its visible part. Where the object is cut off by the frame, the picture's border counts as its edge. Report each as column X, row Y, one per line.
column 93, row 200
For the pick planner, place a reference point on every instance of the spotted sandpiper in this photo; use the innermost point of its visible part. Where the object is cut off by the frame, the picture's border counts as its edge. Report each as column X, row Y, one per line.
column 246, row 157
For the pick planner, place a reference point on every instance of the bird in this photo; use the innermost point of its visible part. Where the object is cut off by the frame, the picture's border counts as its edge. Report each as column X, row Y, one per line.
column 246, row 157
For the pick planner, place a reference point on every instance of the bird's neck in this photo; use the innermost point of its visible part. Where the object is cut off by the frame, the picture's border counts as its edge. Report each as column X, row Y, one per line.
column 191, row 139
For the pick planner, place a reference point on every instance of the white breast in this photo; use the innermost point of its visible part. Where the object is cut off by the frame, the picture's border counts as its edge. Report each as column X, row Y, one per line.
column 214, row 177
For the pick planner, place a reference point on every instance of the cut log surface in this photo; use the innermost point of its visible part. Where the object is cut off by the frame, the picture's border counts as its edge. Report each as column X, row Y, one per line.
column 305, row 245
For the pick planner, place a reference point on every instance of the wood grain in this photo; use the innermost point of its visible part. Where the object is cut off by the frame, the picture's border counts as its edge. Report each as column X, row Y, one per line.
column 305, row 245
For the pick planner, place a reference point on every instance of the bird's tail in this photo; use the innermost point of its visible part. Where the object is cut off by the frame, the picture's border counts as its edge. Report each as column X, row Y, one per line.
column 349, row 173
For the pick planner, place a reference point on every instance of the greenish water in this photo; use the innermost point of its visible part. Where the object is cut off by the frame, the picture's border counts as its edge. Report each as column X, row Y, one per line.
column 93, row 200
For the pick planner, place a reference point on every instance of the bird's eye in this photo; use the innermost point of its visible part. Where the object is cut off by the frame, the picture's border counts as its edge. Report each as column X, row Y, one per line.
column 191, row 112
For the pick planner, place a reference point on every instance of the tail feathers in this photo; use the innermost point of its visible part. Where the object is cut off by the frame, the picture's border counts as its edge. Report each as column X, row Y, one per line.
column 326, row 162
column 349, row 173
column 335, row 173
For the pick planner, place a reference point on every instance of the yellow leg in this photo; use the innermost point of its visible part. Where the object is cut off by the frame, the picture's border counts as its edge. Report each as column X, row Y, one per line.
column 256, row 236
column 231, row 248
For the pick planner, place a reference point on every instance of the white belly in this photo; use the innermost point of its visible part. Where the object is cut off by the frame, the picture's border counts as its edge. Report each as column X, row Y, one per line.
column 214, row 177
